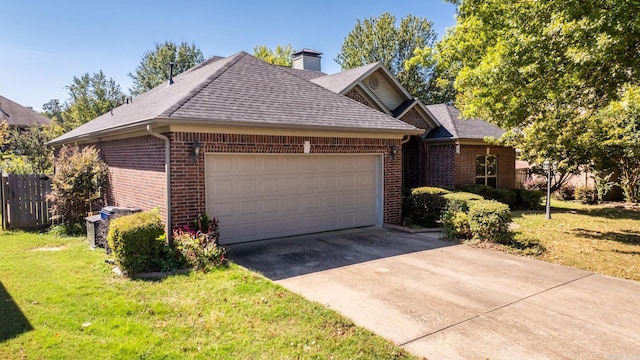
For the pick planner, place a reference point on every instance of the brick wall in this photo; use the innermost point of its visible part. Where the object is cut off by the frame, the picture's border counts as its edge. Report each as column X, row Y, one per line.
column 414, row 118
column 353, row 94
column 440, row 170
column 136, row 172
column 188, row 177
column 465, row 170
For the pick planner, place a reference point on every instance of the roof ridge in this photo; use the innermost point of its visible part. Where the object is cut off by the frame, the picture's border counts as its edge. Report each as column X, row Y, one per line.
column 453, row 120
column 203, row 84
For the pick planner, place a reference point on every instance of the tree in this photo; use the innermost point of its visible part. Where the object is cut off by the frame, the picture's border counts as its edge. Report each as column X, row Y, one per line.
column 30, row 146
column 282, row 55
column 379, row 39
column 540, row 68
column 76, row 186
column 4, row 134
column 89, row 97
column 55, row 111
column 614, row 135
column 154, row 65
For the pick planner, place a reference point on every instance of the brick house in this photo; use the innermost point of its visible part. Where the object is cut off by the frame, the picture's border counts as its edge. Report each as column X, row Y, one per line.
column 451, row 153
column 274, row 151
column 260, row 147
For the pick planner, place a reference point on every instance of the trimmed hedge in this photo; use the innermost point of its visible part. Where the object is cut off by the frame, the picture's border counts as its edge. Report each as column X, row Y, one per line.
column 521, row 199
column 489, row 221
column 529, row 199
column 424, row 205
column 460, row 200
column 486, row 220
column 137, row 242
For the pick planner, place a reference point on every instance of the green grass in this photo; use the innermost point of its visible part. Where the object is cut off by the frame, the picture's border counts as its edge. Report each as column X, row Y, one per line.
column 67, row 304
column 595, row 238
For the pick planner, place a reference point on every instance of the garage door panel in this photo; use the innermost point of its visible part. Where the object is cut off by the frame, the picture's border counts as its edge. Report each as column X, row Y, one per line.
column 248, row 208
column 247, row 187
column 270, row 206
column 265, row 196
column 247, row 164
column 310, row 183
column 290, row 185
column 223, row 209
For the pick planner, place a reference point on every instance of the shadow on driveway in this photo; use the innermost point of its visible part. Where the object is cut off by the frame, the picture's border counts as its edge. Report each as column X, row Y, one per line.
column 13, row 322
column 283, row 258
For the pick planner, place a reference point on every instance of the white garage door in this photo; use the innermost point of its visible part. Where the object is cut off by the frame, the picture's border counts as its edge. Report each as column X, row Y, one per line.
column 266, row 196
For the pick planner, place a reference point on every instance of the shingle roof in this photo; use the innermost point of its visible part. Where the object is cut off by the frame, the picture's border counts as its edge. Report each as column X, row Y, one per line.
column 17, row 115
column 305, row 74
column 342, row 80
column 241, row 90
column 454, row 128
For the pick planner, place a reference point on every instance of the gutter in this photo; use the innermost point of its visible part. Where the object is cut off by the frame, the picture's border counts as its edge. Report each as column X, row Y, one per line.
column 167, row 171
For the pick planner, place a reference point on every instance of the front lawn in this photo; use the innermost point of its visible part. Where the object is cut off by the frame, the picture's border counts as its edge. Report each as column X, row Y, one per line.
column 601, row 238
column 59, row 300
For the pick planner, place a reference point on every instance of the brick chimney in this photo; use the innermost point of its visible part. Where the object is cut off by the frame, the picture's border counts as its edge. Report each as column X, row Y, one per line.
column 307, row 59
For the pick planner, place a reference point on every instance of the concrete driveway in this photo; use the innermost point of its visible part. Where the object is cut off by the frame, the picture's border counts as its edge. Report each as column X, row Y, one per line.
column 441, row 300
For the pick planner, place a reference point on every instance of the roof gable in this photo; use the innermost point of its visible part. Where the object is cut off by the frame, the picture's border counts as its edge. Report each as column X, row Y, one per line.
column 379, row 87
column 17, row 115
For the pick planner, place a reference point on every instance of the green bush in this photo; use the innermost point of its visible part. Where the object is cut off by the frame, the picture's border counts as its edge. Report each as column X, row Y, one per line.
column 529, row 199
column 455, row 219
column 504, row 196
column 455, row 222
column 586, row 195
column 137, row 242
column 459, row 201
column 489, row 221
column 522, row 199
column 424, row 205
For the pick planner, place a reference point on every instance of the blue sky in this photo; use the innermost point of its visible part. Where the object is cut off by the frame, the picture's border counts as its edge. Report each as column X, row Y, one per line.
column 44, row 44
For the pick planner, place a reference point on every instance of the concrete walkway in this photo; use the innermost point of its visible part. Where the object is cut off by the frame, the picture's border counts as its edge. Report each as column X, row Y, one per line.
column 441, row 300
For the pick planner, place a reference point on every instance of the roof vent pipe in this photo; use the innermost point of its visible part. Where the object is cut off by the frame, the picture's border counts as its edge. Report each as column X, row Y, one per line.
column 171, row 65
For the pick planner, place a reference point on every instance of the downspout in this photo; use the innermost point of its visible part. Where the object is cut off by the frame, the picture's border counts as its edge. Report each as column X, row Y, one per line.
column 405, row 139
column 167, row 171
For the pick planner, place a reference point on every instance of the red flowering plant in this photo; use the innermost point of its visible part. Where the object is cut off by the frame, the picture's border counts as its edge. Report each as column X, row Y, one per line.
column 198, row 244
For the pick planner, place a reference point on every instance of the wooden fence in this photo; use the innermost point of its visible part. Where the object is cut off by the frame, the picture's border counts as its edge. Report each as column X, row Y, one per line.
column 24, row 203
column 522, row 175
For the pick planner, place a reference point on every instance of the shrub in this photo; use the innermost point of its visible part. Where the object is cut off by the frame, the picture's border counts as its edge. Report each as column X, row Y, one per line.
column 504, row 196
column 76, row 185
column 585, row 194
column 137, row 242
column 456, row 222
column 198, row 246
column 489, row 221
column 536, row 183
column 529, row 199
column 460, row 200
column 482, row 190
column 566, row 192
column 424, row 205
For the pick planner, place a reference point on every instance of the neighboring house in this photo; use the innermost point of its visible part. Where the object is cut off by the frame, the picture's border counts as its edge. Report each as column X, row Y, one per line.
column 450, row 153
column 260, row 147
column 18, row 116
